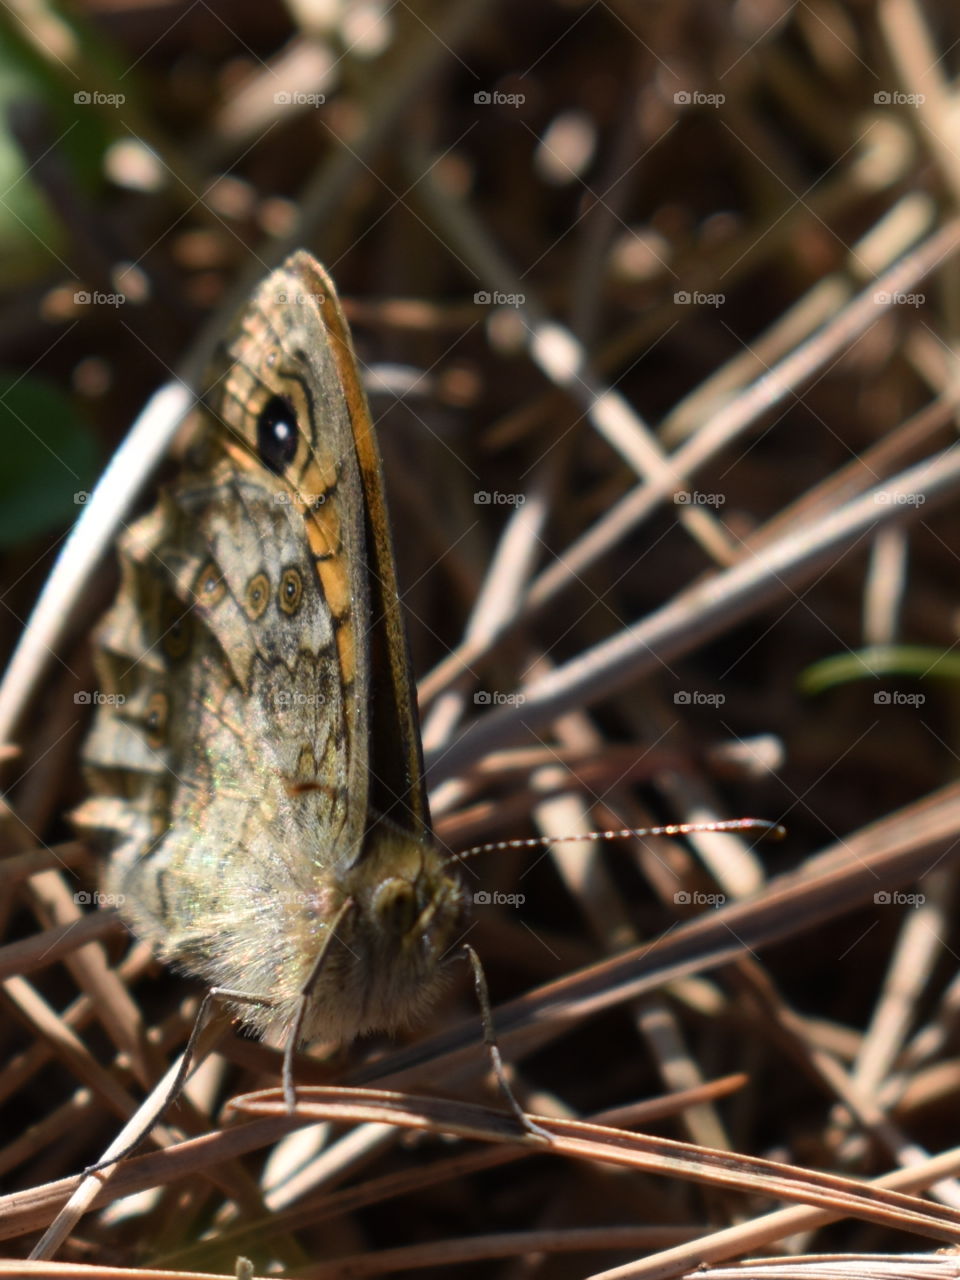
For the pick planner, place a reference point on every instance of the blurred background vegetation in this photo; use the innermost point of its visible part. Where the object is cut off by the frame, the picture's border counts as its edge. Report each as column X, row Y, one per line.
column 524, row 206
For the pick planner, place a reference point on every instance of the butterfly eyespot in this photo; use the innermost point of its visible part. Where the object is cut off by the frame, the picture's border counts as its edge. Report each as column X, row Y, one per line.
column 291, row 591
column 277, row 434
column 256, row 596
column 175, row 622
column 268, row 756
column 210, row 586
column 156, row 719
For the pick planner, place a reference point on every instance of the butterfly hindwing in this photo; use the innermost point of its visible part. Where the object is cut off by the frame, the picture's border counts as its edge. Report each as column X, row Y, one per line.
column 257, row 776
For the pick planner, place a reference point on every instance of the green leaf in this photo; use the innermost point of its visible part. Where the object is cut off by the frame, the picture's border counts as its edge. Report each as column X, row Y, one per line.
column 49, row 458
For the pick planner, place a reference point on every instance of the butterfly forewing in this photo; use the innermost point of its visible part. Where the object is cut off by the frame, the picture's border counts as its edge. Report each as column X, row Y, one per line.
column 285, row 422
column 397, row 787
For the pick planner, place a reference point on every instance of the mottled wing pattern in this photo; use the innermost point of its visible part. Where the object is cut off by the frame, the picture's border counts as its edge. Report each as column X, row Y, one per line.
column 284, row 421
column 234, row 774
column 255, row 768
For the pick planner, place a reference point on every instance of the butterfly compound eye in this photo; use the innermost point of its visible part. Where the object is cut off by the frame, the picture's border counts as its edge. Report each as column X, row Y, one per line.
column 277, row 434
column 395, row 905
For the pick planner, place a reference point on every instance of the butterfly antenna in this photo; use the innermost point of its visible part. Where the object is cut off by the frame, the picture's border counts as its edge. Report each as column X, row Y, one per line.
column 761, row 826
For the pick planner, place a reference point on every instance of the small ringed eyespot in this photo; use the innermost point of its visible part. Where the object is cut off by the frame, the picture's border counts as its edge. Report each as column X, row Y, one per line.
column 210, row 586
column 291, row 590
column 257, row 595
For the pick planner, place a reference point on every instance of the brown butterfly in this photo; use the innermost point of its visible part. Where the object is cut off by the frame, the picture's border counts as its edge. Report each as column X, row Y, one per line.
column 255, row 759
column 255, row 762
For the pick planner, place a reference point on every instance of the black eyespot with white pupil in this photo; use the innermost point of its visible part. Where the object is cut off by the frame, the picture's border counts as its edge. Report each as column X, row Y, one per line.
column 291, row 591
column 277, row 434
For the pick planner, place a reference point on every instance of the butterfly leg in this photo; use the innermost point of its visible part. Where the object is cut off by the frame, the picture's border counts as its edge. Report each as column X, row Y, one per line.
column 175, row 1088
column 493, row 1049
column 293, row 1037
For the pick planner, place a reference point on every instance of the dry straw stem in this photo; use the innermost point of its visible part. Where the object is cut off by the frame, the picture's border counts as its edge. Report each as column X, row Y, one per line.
column 325, row 1203
column 836, row 1196
column 702, row 611
column 853, row 1266
column 805, row 398
column 151, row 435
column 715, row 434
column 898, row 850
column 22, row 1213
